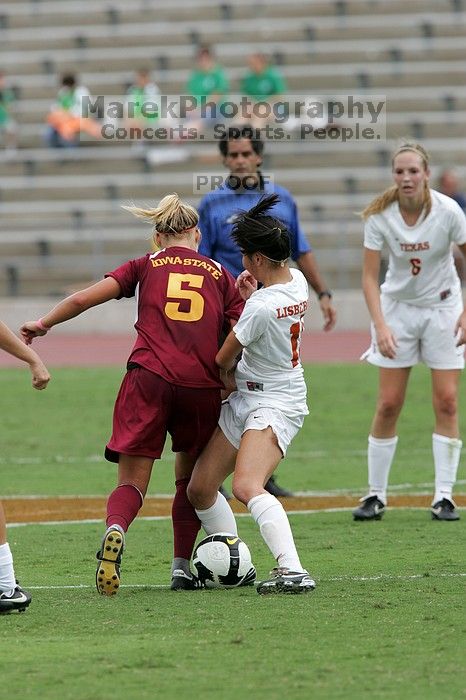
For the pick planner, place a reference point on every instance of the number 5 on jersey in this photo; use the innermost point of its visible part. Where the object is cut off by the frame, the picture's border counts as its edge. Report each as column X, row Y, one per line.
column 175, row 290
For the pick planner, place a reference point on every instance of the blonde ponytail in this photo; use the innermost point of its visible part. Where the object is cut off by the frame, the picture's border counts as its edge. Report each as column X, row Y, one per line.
column 172, row 216
column 381, row 202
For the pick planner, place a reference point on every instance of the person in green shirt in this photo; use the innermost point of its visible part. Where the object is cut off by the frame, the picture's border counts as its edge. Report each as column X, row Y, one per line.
column 262, row 83
column 208, row 79
column 8, row 130
column 143, row 94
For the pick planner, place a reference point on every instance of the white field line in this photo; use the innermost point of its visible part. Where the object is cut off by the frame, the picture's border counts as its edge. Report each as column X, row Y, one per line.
column 356, row 491
column 169, row 458
column 377, row 577
column 307, row 494
column 92, row 521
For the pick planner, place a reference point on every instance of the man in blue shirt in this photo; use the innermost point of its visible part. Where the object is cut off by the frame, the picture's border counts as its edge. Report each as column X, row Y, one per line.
column 242, row 155
column 242, row 151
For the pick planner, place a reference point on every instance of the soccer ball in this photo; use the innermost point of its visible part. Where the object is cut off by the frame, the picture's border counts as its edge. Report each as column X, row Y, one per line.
column 223, row 561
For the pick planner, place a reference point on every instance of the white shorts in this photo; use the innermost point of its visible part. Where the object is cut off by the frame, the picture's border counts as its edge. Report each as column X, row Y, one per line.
column 423, row 334
column 238, row 415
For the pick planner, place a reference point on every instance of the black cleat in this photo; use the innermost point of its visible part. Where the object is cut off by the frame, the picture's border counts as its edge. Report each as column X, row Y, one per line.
column 286, row 581
column 278, row 491
column 181, row 581
column 19, row 600
column 107, row 577
column 444, row 510
column 372, row 508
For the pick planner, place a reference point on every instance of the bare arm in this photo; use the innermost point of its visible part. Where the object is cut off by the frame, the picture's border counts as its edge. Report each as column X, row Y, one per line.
column 386, row 341
column 308, row 266
column 226, row 356
column 460, row 328
column 72, row 306
column 13, row 346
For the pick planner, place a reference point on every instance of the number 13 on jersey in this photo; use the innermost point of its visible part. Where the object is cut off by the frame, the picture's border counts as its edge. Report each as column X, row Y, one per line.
column 296, row 330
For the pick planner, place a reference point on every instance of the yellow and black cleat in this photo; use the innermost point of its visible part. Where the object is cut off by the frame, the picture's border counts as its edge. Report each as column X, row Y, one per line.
column 107, row 578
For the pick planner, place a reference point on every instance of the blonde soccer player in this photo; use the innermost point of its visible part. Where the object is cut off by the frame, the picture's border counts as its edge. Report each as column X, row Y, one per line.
column 417, row 316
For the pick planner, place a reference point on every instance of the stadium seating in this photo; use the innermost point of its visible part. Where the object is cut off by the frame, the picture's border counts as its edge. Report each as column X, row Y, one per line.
column 61, row 218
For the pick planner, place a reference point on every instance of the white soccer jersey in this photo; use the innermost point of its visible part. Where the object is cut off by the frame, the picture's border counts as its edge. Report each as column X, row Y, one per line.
column 270, row 371
column 421, row 270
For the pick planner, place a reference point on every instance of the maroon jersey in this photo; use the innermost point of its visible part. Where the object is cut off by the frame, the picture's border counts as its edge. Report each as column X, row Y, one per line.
column 184, row 301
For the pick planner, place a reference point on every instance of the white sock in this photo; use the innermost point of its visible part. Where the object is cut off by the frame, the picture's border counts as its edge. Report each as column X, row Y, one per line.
column 218, row 518
column 275, row 528
column 7, row 572
column 380, row 453
column 447, row 453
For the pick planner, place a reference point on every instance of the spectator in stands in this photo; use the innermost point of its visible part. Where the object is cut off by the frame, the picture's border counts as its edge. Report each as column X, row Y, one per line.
column 262, row 83
column 172, row 384
column 242, row 151
column 8, row 128
column 449, row 184
column 207, row 80
column 417, row 316
column 12, row 596
column 65, row 120
column 142, row 94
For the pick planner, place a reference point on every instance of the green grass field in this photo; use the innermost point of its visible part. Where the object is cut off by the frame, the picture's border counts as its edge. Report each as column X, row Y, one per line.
column 387, row 619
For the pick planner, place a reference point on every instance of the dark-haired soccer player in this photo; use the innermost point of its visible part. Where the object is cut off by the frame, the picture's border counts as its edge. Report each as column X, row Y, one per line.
column 260, row 419
column 242, row 152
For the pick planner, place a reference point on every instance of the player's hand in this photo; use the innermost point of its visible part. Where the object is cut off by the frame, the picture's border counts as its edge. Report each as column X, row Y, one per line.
column 328, row 312
column 40, row 374
column 246, row 284
column 30, row 330
column 386, row 341
column 460, row 329
column 228, row 379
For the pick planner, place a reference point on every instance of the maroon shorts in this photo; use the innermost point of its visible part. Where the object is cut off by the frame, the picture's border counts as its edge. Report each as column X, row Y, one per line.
column 148, row 407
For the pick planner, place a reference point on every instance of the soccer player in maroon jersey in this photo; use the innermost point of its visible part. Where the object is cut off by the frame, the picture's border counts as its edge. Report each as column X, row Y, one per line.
column 172, row 384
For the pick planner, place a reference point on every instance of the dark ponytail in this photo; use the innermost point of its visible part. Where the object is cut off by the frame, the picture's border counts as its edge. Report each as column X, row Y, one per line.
column 255, row 231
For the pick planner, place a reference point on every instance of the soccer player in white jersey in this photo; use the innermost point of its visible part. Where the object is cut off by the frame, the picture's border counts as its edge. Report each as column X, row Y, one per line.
column 268, row 404
column 12, row 596
column 417, row 316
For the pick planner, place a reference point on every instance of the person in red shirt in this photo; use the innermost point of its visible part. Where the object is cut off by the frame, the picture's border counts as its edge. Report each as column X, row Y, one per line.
column 172, row 385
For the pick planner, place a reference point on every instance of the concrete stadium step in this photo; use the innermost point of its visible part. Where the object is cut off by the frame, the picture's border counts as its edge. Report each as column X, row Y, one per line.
column 153, row 184
column 80, row 213
column 207, row 30
column 116, row 236
column 320, row 159
column 232, row 53
column 17, row 13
